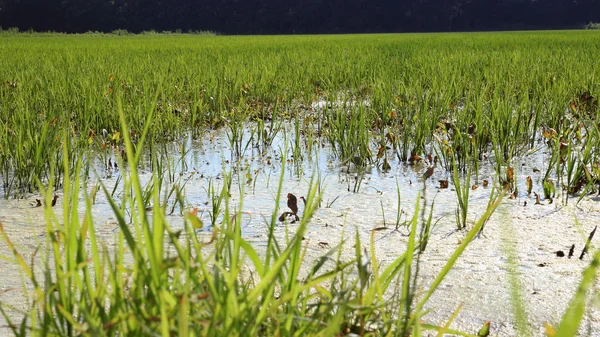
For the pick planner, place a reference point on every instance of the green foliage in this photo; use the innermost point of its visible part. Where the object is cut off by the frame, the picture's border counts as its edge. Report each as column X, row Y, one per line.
column 460, row 95
column 592, row 25
column 460, row 92
column 168, row 282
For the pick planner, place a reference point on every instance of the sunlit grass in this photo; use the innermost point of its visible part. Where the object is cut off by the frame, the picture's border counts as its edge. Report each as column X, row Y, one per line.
column 478, row 93
column 468, row 99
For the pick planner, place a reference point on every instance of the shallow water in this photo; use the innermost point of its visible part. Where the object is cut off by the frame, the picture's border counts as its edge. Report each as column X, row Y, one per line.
column 479, row 279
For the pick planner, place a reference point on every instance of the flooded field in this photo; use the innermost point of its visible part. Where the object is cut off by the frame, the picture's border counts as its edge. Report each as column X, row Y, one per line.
column 370, row 185
column 518, row 244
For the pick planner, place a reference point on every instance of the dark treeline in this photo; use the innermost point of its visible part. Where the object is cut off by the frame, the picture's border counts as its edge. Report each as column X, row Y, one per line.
column 295, row 16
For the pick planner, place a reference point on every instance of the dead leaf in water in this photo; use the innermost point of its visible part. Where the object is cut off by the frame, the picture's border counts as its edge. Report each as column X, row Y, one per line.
column 471, row 129
column 292, row 203
column 443, row 184
column 510, row 174
column 284, row 215
column 428, row 173
column 414, row 158
column 381, row 151
column 537, row 198
column 390, row 137
column 573, row 107
column 529, row 184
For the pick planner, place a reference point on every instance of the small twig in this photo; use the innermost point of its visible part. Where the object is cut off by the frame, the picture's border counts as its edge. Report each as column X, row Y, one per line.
column 571, row 251
column 589, row 240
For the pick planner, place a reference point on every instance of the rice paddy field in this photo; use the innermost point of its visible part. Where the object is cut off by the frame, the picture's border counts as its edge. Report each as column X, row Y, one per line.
column 370, row 185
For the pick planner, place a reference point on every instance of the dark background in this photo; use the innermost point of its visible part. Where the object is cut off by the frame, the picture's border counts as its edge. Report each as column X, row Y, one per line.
column 296, row 16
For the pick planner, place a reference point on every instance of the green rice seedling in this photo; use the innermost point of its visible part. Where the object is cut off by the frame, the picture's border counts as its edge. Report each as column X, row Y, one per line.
column 266, row 134
column 398, row 205
column 448, row 266
column 426, row 226
column 462, row 189
column 235, row 134
column 217, row 197
column 296, row 147
column 350, row 136
column 162, row 280
column 505, row 93
column 549, row 189
column 495, row 194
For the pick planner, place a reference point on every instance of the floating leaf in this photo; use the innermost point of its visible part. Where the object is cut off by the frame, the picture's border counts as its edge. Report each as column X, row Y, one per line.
column 381, row 151
column 292, row 203
column 510, row 175
column 428, row 173
column 414, row 158
column 284, row 215
column 471, row 129
column 529, row 183
column 443, row 184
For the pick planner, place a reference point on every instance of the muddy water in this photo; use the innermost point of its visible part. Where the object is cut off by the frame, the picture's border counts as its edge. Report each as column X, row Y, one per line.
column 479, row 281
